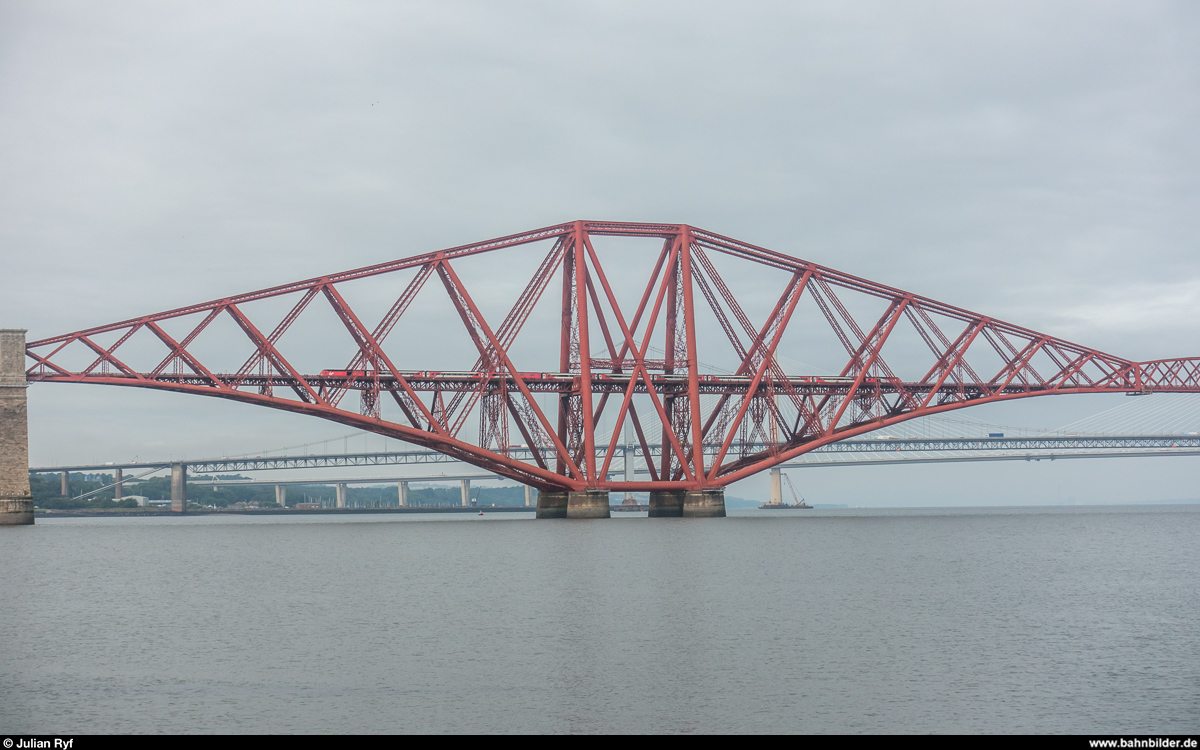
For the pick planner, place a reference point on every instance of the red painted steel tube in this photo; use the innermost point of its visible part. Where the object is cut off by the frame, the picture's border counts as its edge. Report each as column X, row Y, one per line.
column 867, row 395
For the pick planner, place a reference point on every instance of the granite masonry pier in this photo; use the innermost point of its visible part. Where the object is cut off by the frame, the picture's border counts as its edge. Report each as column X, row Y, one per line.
column 582, row 504
column 704, row 504
column 663, row 504
column 588, row 504
column 687, row 504
column 551, row 505
column 16, row 504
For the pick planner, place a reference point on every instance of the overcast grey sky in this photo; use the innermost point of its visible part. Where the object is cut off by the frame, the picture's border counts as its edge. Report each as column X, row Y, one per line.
column 1033, row 161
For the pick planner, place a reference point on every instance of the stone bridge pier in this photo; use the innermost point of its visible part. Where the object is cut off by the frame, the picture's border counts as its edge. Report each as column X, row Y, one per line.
column 687, row 504
column 582, row 504
column 16, row 504
column 663, row 504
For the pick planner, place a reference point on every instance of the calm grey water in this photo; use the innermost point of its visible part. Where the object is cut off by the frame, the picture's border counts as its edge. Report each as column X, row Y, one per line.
column 984, row 620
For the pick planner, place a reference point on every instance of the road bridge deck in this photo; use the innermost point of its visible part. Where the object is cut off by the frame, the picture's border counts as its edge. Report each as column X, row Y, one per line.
column 1107, row 444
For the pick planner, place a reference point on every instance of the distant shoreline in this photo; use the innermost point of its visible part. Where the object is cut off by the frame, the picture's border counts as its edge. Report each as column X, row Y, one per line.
column 134, row 512
column 165, row 513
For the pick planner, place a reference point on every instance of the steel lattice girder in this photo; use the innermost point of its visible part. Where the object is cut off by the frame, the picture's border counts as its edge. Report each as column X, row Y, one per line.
column 762, row 414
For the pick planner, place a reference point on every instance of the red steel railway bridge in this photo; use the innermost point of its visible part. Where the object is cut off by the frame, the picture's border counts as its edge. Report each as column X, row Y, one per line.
column 660, row 335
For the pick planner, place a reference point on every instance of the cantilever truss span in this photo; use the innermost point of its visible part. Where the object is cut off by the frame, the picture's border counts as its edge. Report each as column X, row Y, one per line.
column 684, row 339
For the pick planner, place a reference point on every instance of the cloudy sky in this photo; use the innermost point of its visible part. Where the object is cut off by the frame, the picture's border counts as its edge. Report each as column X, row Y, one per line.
column 1032, row 161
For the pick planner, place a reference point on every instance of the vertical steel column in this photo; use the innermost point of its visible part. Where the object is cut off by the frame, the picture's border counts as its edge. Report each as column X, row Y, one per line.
column 564, row 356
column 585, row 358
column 672, row 334
column 689, row 327
column 629, row 459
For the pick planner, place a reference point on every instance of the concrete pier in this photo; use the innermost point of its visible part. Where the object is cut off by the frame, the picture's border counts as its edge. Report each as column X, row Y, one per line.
column 281, row 495
column 666, row 503
column 466, row 492
column 588, row 504
column 551, row 504
column 690, row 504
column 528, row 496
column 403, row 494
column 341, row 495
column 584, row 504
column 64, row 484
column 776, row 487
column 179, row 488
column 16, row 504
column 704, row 504
column 119, row 489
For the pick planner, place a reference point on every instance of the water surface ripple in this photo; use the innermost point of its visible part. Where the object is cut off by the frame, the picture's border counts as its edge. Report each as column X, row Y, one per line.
column 983, row 620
